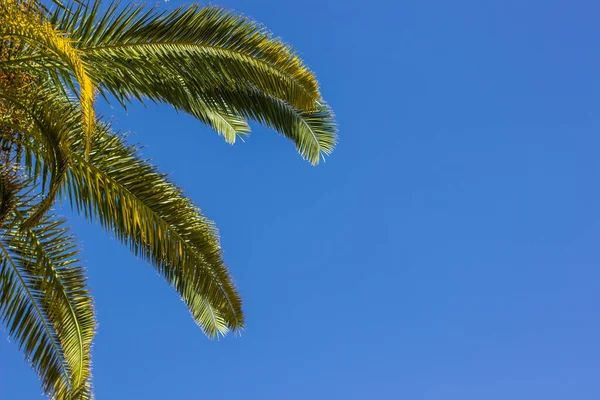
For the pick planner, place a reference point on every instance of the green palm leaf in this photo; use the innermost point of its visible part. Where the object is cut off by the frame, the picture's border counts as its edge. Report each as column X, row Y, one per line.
column 143, row 209
column 216, row 45
column 314, row 132
column 190, row 56
column 46, row 306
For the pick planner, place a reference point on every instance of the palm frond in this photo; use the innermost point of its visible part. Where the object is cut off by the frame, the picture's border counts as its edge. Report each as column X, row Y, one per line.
column 313, row 132
column 45, row 304
column 27, row 325
column 223, row 120
column 186, row 56
column 216, row 45
column 144, row 210
column 51, row 252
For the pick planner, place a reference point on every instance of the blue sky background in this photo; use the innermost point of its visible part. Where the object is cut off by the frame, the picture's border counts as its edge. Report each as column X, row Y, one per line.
column 447, row 250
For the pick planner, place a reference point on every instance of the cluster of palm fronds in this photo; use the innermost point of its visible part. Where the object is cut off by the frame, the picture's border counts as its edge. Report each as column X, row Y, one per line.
column 55, row 59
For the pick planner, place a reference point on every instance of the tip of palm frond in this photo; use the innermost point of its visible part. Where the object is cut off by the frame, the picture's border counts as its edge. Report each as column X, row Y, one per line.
column 215, row 320
column 319, row 134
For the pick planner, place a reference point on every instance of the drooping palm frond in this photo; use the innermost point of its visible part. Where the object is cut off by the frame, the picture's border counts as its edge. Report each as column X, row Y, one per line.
column 51, row 252
column 26, row 322
column 314, row 132
column 222, row 119
column 144, row 210
column 187, row 56
column 46, row 306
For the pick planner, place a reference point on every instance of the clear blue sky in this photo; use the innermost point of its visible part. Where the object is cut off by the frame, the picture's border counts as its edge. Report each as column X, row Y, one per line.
column 449, row 249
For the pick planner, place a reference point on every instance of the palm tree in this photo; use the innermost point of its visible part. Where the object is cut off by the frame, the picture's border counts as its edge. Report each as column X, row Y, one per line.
column 218, row 66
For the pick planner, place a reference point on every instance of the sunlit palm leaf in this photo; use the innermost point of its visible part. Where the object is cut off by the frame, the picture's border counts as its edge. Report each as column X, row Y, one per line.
column 143, row 209
column 50, row 252
column 46, row 306
column 193, row 53
column 210, row 43
column 314, row 132
column 30, row 27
